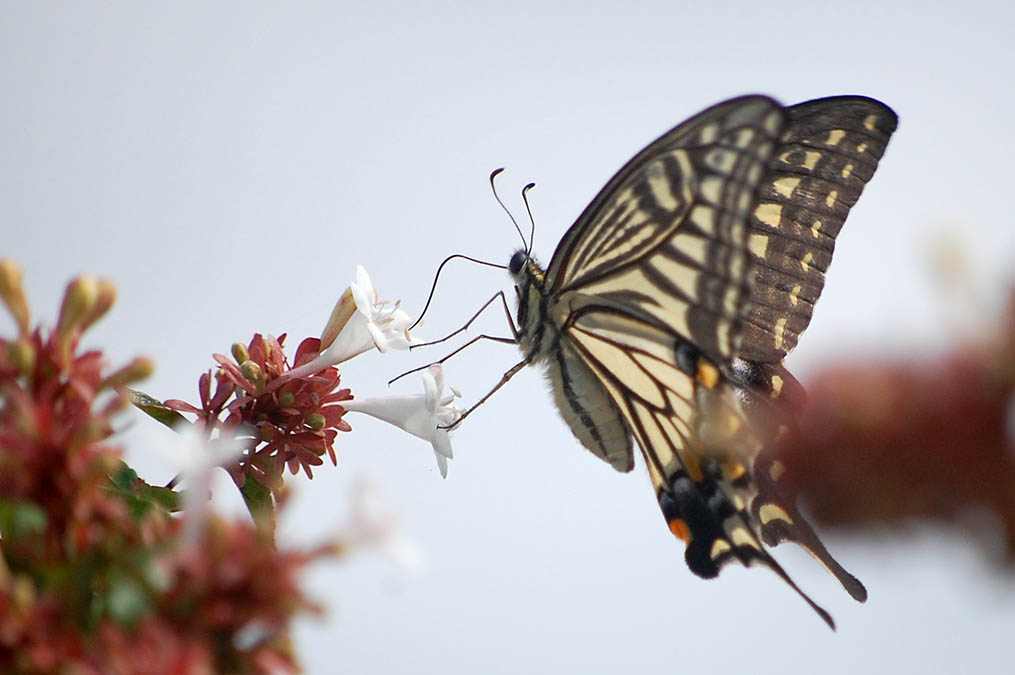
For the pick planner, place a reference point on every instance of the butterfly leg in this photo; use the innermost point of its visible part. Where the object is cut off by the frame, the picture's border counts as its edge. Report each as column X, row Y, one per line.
column 503, row 380
column 494, row 338
column 507, row 312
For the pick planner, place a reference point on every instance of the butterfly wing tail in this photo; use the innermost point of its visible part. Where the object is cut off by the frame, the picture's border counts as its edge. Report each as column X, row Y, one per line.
column 782, row 521
column 773, row 398
column 716, row 532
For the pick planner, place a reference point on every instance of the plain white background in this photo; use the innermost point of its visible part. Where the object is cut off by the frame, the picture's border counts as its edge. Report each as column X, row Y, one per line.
column 228, row 166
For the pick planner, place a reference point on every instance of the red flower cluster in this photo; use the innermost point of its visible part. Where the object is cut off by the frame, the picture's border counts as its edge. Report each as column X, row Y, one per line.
column 92, row 575
column 288, row 421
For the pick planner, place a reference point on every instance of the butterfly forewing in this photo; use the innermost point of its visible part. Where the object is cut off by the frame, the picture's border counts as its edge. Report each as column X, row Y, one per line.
column 828, row 152
column 666, row 237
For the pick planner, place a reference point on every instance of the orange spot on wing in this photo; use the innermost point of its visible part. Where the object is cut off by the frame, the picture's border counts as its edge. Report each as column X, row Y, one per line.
column 733, row 469
column 680, row 530
column 708, row 374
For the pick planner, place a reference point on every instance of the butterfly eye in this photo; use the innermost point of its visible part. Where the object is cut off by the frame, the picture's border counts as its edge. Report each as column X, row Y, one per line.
column 517, row 262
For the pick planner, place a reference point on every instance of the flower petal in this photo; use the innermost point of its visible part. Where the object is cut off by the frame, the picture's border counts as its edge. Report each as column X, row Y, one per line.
column 364, row 283
column 441, row 441
column 195, row 458
column 442, row 464
column 378, row 337
column 422, row 415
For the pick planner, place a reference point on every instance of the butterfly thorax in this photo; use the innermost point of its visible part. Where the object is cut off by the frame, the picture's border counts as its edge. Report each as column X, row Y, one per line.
column 537, row 336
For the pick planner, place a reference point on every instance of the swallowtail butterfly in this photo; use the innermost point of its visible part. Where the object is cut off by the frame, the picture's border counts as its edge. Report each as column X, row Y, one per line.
column 667, row 308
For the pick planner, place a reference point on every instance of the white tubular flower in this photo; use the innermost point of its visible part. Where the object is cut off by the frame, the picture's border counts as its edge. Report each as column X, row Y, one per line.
column 374, row 323
column 195, row 458
column 421, row 415
column 388, row 325
column 375, row 523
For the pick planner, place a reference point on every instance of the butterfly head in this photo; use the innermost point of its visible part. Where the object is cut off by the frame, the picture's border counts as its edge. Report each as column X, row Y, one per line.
column 524, row 270
column 517, row 262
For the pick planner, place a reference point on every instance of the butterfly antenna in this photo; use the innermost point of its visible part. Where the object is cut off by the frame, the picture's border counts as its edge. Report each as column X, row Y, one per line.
column 493, row 186
column 433, row 287
column 528, row 209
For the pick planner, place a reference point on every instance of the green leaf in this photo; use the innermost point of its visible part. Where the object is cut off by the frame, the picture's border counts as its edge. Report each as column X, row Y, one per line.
column 140, row 497
column 124, row 477
column 156, row 410
column 18, row 519
column 260, row 504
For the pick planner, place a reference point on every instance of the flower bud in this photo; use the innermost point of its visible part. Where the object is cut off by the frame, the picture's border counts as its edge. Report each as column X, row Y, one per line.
column 240, row 352
column 21, row 355
column 12, row 293
column 255, row 375
column 315, row 421
column 138, row 369
column 78, row 300
column 106, row 298
column 250, row 370
column 340, row 315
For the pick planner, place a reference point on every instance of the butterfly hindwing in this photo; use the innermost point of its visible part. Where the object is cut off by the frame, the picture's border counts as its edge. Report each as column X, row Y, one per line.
column 705, row 490
column 588, row 410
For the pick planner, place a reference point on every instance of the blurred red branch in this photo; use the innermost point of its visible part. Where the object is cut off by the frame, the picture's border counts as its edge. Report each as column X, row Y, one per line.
column 882, row 443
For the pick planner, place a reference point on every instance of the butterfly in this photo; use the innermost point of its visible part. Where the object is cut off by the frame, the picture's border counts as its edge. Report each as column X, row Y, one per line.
column 668, row 307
